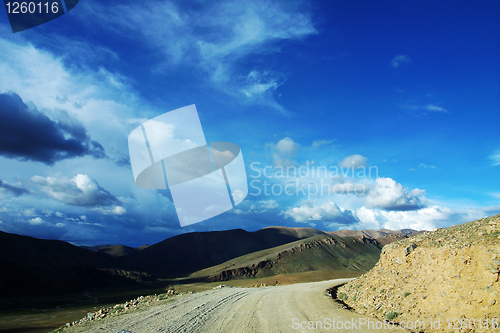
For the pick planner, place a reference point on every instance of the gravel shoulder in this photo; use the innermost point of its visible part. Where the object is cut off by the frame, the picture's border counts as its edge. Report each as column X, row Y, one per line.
column 268, row 309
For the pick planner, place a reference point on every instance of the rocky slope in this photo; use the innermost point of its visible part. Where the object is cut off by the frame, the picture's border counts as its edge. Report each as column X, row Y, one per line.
column 320, row 252
column 441, row 275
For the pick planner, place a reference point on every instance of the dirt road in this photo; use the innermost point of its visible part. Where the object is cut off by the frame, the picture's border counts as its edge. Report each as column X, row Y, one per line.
column 289, row 308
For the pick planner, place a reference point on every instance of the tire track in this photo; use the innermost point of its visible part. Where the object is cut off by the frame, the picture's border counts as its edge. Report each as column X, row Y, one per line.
column 241, row 310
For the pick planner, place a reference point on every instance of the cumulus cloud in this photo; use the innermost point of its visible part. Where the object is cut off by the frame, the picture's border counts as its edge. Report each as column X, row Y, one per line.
column 354, row 161
column 12, row 189
column 328, row 212
column 392, row 196
column 284, row 152
column 28, row 134
column 80, row 190
column 422, row 219
column 399, row 60
column 37, row 221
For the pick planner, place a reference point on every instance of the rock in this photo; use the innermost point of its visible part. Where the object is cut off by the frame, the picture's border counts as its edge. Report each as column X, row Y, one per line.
column 410, row 249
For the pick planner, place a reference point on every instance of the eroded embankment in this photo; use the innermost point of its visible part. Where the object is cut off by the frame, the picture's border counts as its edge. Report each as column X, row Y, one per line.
column 443, row 275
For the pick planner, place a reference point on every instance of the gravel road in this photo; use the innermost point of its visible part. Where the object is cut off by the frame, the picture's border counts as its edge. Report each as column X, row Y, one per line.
column 267, row 309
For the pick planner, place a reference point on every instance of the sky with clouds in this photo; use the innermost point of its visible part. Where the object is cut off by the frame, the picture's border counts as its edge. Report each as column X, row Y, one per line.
column 349, row 114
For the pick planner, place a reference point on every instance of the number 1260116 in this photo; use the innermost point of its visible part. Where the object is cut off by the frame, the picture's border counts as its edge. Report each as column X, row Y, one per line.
column 32, row 7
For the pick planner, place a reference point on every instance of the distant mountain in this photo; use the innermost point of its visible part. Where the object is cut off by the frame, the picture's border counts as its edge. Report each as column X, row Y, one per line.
column 375, row 234
column 117, row 250
column 37, row 266
column 320, row 252
column 187, row 253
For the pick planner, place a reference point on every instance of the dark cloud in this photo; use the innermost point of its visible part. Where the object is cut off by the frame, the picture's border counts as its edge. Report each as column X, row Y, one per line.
column 16, row 190
column 28, row 134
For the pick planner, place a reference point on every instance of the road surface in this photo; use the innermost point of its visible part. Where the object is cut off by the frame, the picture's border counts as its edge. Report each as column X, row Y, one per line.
column 302, row 307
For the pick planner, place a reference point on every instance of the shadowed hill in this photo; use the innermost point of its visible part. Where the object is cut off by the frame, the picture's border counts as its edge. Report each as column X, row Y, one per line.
column 187, row 253
column 31, row 265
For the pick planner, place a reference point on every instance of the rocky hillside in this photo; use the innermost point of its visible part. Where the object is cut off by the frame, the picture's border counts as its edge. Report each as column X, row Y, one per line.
column 445, row 274
column 320, row 252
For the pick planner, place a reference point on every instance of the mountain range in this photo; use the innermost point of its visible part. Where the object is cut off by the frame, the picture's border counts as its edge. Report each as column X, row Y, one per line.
column 37, row 266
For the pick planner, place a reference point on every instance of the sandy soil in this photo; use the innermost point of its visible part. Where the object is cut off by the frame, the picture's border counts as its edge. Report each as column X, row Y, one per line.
column 267, row 309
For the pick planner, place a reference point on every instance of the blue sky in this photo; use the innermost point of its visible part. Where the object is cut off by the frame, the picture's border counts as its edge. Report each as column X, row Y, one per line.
column 411, row 90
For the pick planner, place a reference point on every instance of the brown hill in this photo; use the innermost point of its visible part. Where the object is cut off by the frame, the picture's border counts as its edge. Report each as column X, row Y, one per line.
column 320, row 252
column 435, row 276
column 30, row 265
column 187, row 253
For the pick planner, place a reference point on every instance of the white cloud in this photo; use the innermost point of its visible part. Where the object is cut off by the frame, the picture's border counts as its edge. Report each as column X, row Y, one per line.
column 115, row 210
column 258, row 207
column 426, row 166
column 216, row 39
column 495, row 157
column 269, row 204
column 259, row 83
column 428, row 107
column 29, row 212
column 328, row 212
column 80, row 190
column 102, row 101
column 392, row 196
column 354, row 161
column 399, row 59
column 434, row 108
column 37, row 221
column 284, row 152
column 320, row 143
column 423, row 219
